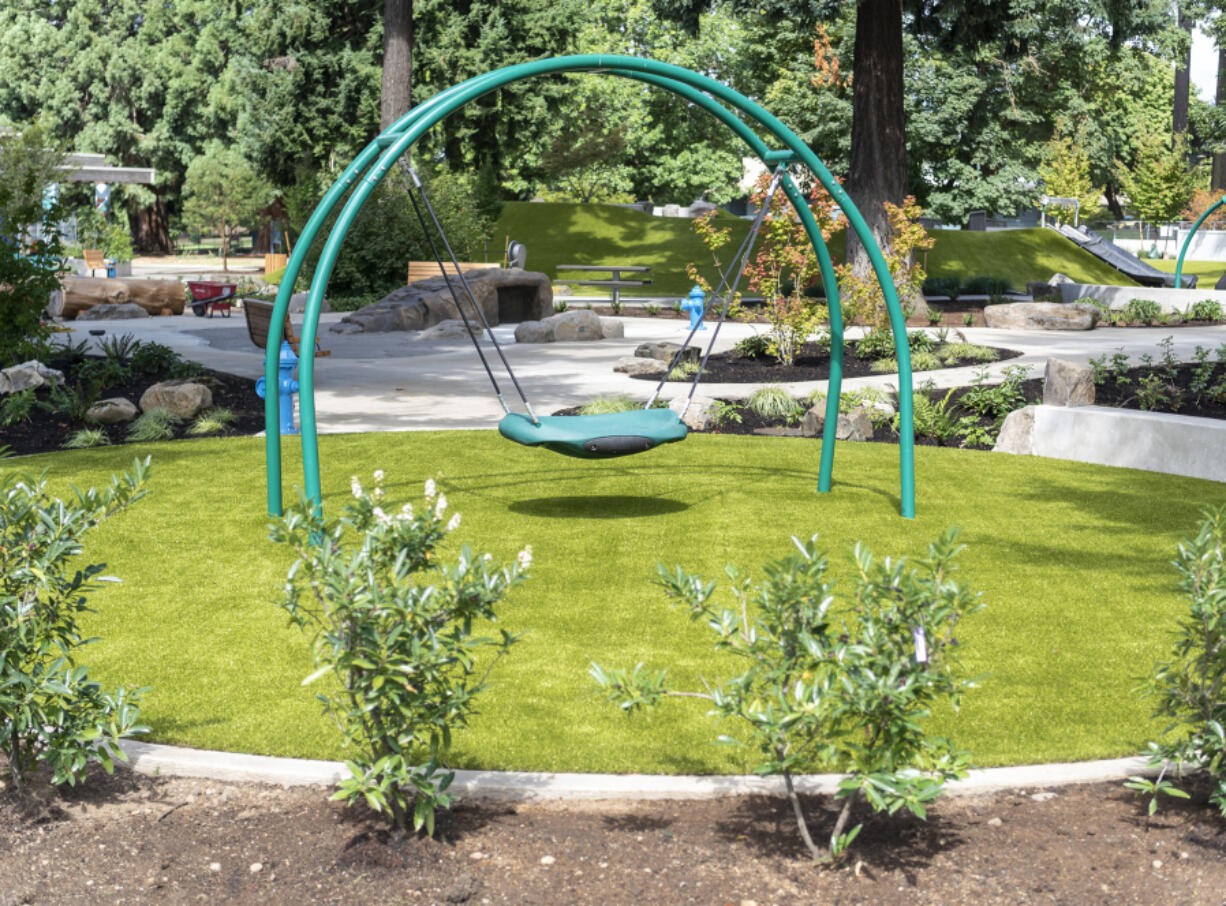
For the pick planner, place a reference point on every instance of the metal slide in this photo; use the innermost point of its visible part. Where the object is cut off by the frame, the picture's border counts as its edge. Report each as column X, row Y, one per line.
column 1119, row 259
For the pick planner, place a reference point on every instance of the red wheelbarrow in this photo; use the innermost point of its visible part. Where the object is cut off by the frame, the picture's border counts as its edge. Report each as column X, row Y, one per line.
column 211, row 297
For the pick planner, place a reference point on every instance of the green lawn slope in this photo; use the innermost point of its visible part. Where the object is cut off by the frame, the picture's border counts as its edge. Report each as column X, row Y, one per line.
column 1073, row 562
column 1208, row 271
column 565, row 233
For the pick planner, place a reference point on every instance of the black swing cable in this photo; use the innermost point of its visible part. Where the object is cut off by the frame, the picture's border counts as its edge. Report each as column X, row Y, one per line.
column 468, row 290
column 735, row 267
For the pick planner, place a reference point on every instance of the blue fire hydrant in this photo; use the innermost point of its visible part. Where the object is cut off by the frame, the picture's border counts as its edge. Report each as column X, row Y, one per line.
column 286, row 387
column 695, row 305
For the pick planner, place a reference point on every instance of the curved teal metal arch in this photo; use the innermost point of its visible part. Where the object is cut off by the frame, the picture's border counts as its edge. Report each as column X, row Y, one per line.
column 372, row 166
column 1183, row 249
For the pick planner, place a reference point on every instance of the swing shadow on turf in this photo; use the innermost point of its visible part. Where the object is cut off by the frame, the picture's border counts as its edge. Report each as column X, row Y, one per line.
column 609, row 506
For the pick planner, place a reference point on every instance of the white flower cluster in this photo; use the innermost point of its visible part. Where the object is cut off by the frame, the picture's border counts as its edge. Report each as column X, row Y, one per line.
column 525, row 558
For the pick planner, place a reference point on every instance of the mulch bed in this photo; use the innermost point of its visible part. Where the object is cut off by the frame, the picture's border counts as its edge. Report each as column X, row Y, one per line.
column 47, row 431
column 137, row 839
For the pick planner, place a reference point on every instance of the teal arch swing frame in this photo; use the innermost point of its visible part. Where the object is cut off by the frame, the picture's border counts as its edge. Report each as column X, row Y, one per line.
column 1183, row 249
column 375, row 161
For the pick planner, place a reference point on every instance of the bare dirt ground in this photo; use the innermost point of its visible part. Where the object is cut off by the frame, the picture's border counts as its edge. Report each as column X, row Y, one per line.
column 139, row 839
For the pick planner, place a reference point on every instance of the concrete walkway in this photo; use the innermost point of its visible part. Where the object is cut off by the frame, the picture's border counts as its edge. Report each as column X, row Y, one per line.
column 398, row 382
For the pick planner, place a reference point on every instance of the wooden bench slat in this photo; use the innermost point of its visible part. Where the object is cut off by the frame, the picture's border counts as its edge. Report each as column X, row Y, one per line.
column 259, row 318
column 425, row 270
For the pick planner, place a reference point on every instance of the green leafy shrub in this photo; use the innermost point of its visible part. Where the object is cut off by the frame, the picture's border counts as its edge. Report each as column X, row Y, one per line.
column 754, row 346
column 120, row 347
column 84, row 438
column 16, row 407
column 930, row 417
column 153, row 358
column 51, row 713
column 652, row 309
column 847, row 691
column 393, row 625
column 968, row 319
column 603, row 405
column 943, row 286
column 559, row 305
column 955, row 352
column 154, row 425
column 986, row 286
column 1207, row 310
column 1147, row 311
column 724, row 413
column 996, row 401
column 1188, row 687
column 71, row 402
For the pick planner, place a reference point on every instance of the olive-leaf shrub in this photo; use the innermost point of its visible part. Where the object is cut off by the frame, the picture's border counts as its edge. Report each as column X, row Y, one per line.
column 51, row 713
column 394, row 626
column 825, row 684
column 1190, row 687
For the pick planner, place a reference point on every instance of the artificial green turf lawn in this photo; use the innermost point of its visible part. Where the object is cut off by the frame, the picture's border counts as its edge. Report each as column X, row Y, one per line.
column 1073, row 562
column 570, row 233
column 1208, row 271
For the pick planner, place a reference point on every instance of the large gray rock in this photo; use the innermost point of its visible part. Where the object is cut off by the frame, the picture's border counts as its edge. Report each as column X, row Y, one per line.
column 698, row 416
column 113, row 411
column 814, row 421
column 665, row 352
column 856, row 425
column 576, row 325
column 1057, row 278
column 504, row 294
column 108, row 311
column 1017, row 433
column 612, row 329
column 450, row 330
column 29, row 374
column 534, row 332
column 1068, row 384
column 631, row 364
column 1042, row 316
column 185, row 398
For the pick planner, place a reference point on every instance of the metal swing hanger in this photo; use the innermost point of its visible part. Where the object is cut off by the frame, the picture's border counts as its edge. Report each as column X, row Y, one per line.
column 737, row 267
column 489, row 331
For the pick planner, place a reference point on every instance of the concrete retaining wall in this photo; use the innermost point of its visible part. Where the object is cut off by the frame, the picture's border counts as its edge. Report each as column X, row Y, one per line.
column 1154, row 441
column 1207, row 245
column 1171, row 299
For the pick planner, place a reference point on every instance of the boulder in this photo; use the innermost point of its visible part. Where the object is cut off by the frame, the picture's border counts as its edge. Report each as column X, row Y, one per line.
column 612, row 329
column 855, row 425
column 450, row 330
column 1017, row 433
column 504, row 294
column 631, row 364
column 698, row 416
column 112, row 411
column 185, row 398
column 113, row 311
column 665, row 352
column 1068, row 384
column 154, row 296
column 29, row 374
column 1042, row 316
column 1057, row 278
column 534, row 332
column 576, row 325
column 814, row 421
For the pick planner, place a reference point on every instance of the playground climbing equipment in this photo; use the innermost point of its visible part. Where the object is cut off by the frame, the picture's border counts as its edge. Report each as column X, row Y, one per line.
column 377, row 159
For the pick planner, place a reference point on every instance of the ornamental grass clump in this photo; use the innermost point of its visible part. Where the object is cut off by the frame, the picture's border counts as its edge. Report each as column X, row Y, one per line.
column 393, row 626
column 846, row 687
column 51, row 713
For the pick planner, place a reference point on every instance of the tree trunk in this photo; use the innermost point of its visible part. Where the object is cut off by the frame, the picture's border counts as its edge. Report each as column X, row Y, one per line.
column 397, row 87
column 150, row 228
column 878, row 166
column 1217, row 181
column 1179, row 113
column 1113, row 201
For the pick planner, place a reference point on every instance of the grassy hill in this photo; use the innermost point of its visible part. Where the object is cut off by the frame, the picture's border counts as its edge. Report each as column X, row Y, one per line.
column 567, row 233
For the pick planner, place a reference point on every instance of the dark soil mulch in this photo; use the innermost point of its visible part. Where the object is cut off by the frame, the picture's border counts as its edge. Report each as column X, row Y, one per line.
column 812, row 364
column 46, row 431
column 1174, row 389
column 137, row 839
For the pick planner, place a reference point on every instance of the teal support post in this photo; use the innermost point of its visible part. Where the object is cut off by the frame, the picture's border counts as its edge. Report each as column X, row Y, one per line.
column 1183, row 249
column 402, row 135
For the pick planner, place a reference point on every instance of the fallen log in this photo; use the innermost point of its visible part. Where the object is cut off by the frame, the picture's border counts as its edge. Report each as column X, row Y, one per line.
column 155, row 296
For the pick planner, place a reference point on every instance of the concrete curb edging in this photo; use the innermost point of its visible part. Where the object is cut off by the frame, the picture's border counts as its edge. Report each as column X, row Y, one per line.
column 174, row 761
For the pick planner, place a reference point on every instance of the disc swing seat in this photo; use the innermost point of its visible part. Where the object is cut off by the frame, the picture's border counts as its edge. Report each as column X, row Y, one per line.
column 585, row 436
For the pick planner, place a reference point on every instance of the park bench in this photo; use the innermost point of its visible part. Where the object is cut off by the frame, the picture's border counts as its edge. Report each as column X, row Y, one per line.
column 259, row 318
column 614, row 282
column 96, row 260
column 424, row 270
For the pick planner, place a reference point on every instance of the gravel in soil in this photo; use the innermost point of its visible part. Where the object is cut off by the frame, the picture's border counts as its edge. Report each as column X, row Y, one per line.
column 137, row 839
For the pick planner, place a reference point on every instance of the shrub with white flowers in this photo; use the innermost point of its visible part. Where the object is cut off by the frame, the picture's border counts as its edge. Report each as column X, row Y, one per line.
column 392, row 626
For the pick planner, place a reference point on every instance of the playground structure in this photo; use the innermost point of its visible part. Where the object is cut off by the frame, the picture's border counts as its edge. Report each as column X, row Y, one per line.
column 1124, row 262
column 375, row 161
